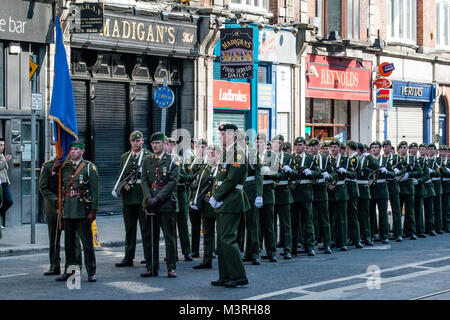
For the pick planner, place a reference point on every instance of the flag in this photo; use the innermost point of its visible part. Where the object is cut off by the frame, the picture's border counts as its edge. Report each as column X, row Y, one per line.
column 62, row 107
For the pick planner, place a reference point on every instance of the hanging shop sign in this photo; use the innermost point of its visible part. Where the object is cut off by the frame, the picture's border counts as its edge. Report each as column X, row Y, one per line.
column 87, row 17
column 231, row 95
column 236, row 53
column 384, row 99
column 412, row 91
column 385, row 69
column 382, row 83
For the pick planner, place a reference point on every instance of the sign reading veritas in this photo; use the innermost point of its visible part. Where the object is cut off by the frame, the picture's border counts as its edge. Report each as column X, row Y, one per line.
column 231, row 95
column 236, row 53
column 338, row 78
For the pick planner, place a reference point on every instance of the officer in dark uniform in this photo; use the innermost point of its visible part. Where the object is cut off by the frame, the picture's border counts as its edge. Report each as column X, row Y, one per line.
column 435, row 164
column 445, row 173
column 419, row 190
column 429, row 194
column 80, row 187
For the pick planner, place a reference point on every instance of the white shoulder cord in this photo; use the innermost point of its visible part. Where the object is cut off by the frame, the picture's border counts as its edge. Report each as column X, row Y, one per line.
column 198, row 186
column 121, row 174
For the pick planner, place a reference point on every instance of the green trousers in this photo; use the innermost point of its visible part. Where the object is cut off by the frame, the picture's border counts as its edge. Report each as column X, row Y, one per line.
column 131, row 215
column 418, row 213
column 338, row 210
column 353, row 221
column 165, row 221
column 364, row 218
column 445, row 211
column 284, row 213
column 196, row 220
column 82, row 227
column 183, row 229
column 301, row 216
column 241, row 234
column 320, row 209
column 252, row 226
column 409, row 226
column 383, row 223
column 438, row 212
column 209, row 227
column 428, row 207
column 394, row 199
column 267, row 229
column 229, row 257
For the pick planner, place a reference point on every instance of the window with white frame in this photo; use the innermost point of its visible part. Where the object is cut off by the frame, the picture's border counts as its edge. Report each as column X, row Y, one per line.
column 401, row 21
column 260, row 5
column 442, row 23
column 339, row 15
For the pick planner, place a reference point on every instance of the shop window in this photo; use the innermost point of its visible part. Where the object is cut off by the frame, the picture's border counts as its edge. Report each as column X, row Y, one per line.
column 260, row 5
column 2, row 75
column 263, row 74
column 341, row 16
column 283, row 125
column 401, row 21
column 442, row 23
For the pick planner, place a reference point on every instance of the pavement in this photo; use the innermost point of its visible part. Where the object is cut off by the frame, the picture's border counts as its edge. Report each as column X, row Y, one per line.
column 17, row 240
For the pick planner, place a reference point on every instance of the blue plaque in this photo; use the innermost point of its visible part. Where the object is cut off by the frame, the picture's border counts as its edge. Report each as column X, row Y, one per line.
column 164, row 97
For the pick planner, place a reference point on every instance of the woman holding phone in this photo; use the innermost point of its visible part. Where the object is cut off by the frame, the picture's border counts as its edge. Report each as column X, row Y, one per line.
column 6, row 193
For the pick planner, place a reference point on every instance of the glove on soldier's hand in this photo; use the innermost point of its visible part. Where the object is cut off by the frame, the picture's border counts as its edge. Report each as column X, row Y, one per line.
column 92, row 215
column 325, row 175
column 430, row 170
column 57, row 164
column 342, row 170
column 259, row 202
column 396, row 171
column 405, row 177
column 287, row 169
column 193, row 206
column 415, row 181
column 151, row 202
column 383, row 170
column 265, row 170
column 307, row 172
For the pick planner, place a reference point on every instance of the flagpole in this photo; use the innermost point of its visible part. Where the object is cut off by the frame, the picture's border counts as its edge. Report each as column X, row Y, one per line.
column 33, row 176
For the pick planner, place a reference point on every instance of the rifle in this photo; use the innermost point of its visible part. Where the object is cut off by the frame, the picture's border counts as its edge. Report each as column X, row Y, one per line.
column 127, row 180
column 373, row 176
column 203, row 196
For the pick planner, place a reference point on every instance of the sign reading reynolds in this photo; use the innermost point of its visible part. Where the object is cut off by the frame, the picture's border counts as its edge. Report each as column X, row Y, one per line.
column 149, row 34
column 236, row 53
column 231, row 95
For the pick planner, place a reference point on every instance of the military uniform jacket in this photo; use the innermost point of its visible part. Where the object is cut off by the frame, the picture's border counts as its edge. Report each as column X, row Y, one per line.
column 392, row 182
column 379, row 189
column 445, row 173
column 325, row 163
column 48, row 186
column 435, row 164
column 340, row 193
column 412, row 167
column 253, row 187
column 269, row 159
column 162, row 182
column 207, row 176
column 367, row 165
column 352, row 184
column 303, row 184
column 283, row 194
column 230, row 180
column 84, row 182
column 419, row 189
column 186, row 178
column 133, row 195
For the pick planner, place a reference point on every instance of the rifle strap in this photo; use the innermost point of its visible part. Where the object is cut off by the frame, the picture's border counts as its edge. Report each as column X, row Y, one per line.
column 77, row 172
column 156, row 172
column 123, row 170
column 198, row 186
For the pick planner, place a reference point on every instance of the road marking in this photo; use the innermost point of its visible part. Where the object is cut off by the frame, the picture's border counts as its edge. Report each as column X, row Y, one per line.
column 300, row 289
column 14, row 275
column 386, row 247
column 133, row 287
column 431, row 295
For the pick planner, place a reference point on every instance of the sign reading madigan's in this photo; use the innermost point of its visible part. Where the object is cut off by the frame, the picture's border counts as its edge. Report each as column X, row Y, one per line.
column 231, row 95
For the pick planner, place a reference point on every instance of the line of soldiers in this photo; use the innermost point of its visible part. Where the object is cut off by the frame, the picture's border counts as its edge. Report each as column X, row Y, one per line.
column 331, row 193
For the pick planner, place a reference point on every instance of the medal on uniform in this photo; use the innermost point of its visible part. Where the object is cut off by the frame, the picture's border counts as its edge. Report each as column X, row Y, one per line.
column 164, row 171
column 81, row 178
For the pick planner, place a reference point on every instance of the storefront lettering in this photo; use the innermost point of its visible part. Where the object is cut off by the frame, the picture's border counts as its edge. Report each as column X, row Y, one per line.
column 412, row 91
column 14, row 26
column 237, row 43
column 346, row 79
column 230, row 96
column 138, row 30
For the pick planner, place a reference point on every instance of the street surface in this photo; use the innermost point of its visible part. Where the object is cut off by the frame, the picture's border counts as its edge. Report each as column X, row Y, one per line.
column 409, row 270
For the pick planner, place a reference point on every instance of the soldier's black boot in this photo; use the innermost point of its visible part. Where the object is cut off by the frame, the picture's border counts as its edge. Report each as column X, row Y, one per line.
column 124, row 263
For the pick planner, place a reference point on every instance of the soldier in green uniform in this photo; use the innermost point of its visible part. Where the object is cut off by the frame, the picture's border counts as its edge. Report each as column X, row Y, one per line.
column 287, row 147
column 253, row 188
column 429, row 193
column 353, row 195
column 306, row 170
column 160, row 176
column 338, row 196
column 48, row 186
column 80, row 188
column 128, row 187
column 269, row 171
column 199, row 201
column 410, row 170
column 379, row 192
column 186, row 178
column 230, row 202
column 419, row 190
column 394, row 190
column 367, row 168
column 283, row 196
column 435, row 164
column 445, row 173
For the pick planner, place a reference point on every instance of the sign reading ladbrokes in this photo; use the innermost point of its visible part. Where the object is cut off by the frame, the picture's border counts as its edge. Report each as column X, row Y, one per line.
column 231, row 95
column 236, row 53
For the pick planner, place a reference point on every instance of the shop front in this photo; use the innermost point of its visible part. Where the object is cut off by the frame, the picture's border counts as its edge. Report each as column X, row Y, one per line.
column 336, row 90
column 114, row 74
column 410, row 118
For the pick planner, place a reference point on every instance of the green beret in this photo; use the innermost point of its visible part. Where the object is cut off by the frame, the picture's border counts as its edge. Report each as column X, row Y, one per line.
column 215, row 148
column 326, row 144
column 202, row 142
column 313, row 142
column 172, row 140
column 261, row 136
column 227, row 126
column 443, row 147
column 342, row 145
column 376, row 143
column 335, row 143
column 278, row 137
column 387, row 143
column 299, row 140
column 240, row 135
column 432, row 145
column 360, row 146
column 402, row 143
column 158, row 136
column 413, row 145
column 365, row 146
column 352, row 144
column 136, row 134
column 423, row 145
column 78, row 144
column 287, row 145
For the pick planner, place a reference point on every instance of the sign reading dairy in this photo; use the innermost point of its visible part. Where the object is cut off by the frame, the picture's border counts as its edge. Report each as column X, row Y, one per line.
column 231, row 95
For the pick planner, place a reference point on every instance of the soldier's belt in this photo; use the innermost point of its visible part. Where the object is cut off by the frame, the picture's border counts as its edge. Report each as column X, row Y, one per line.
column 381, row 180
column 72, row 193
column 351, row 180
column 251, row 178
column 267, row 181
column 429, row 181
column 180, row 184
column 321, row 180
column 138, row 181
column 362, row 181
column 446, row 179
column 435, row 179
column 339, row 183
column 238, row 186
column 304, row 181
column 157, row 186
column 283, row 183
